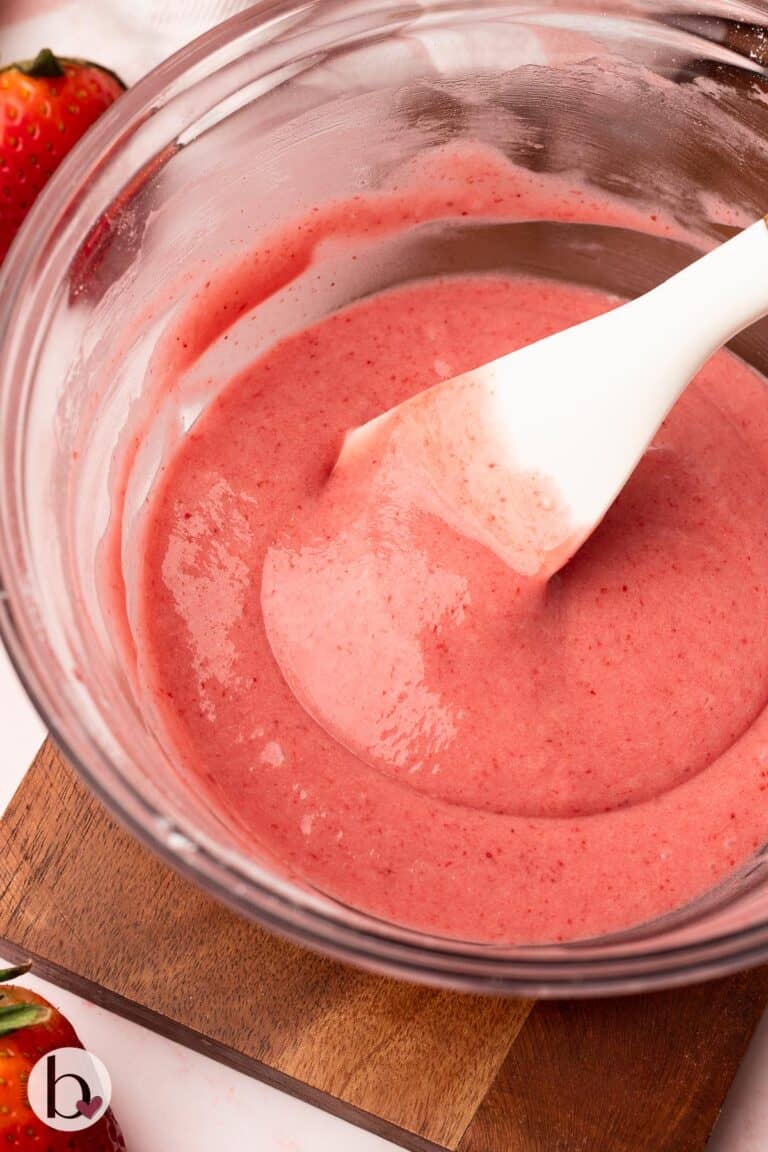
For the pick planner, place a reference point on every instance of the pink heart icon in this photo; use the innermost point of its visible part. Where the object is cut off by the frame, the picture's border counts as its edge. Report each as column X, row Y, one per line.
column 90, row 1108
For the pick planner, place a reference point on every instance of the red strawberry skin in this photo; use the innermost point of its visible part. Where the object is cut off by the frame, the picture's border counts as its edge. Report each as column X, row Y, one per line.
column 45, row 107
column 20, row 1049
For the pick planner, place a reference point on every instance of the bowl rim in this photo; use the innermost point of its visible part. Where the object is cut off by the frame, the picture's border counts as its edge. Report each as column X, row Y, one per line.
column 540, row 971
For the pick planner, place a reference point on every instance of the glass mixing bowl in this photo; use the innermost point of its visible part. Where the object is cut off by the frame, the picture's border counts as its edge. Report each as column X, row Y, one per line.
column 284, row 106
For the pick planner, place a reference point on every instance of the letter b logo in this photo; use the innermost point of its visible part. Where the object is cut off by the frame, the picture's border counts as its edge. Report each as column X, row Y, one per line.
column 69, row 1089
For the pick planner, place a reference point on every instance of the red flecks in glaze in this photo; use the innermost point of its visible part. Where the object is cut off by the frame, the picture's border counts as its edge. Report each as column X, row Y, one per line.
column 506, row 761
column 498, row 759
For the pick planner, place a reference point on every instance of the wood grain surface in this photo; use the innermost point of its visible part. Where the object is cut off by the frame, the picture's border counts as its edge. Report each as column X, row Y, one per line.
column 428, row 1069
column 621, row 1075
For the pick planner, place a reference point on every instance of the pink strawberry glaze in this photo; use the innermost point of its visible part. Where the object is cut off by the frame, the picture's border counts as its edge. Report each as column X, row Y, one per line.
column 497, row 759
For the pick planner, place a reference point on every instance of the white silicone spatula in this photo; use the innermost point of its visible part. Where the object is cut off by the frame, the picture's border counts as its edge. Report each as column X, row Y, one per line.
column 528, row 452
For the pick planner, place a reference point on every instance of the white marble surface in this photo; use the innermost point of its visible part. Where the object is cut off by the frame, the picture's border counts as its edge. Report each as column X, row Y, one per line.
column 165, row 1096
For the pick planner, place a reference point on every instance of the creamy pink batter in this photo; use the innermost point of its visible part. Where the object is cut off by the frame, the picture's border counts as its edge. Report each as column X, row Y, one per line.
column 410, row 725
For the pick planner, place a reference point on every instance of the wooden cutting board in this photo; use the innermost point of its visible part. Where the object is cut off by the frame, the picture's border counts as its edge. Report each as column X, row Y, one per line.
column 429, row 1070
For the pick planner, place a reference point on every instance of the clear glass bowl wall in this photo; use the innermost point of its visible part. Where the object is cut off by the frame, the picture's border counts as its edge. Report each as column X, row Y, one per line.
column 276, row 110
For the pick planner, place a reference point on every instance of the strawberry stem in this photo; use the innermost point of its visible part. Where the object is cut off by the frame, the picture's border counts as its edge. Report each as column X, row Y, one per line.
column 22, row 1016
column 47, row 65
column 44, row 64
column 14, row 973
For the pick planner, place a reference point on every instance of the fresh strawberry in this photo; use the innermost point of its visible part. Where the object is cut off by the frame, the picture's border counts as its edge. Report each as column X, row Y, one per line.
column 45, row 107
column 30, row 1027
